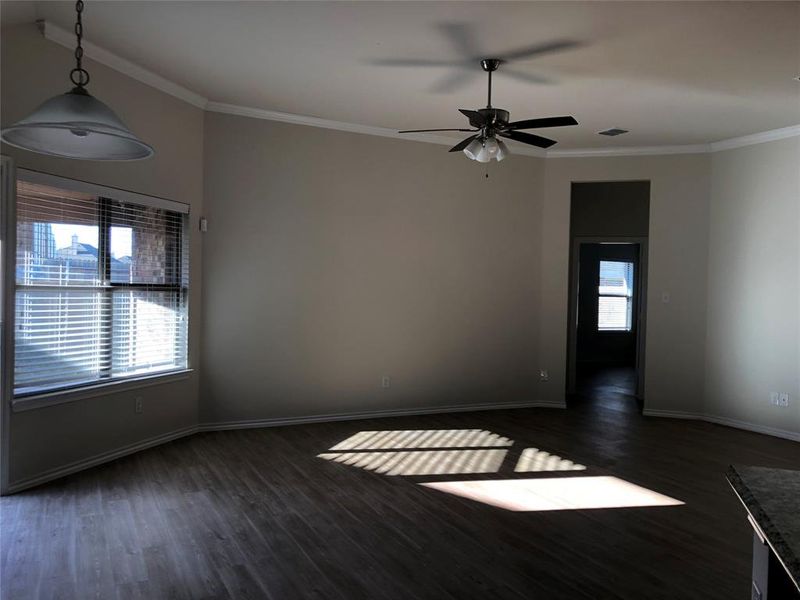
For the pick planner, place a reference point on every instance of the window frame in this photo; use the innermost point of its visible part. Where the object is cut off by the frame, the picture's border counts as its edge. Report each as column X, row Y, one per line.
column 180, row 288
column 630, row 298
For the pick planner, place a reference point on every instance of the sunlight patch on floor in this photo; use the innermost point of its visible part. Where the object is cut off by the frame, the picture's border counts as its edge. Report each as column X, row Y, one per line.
column 422, row 438
column 423, row 462
column 533, row 460
column 562, row 493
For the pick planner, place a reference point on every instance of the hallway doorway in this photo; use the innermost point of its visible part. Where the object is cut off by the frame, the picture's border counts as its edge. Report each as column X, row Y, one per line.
column 607, row 292
column 607, row 307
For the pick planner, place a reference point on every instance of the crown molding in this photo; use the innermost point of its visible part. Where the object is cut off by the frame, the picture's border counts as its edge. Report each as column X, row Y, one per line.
column 66, row 38
column 737, row 142
column 272, row 115
column 629, row 151
column 756, row 138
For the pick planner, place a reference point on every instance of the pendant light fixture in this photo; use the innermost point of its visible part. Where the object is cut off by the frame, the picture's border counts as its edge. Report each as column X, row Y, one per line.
column 76, row 124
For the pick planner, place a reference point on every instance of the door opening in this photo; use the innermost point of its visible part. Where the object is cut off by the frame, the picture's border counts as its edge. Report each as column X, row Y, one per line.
column 607, row 309
column 608, row 283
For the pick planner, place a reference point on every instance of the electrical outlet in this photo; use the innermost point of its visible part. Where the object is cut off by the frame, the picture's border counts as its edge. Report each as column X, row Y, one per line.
column 544, row 375
column 783, row 399
column 774, row 398
column 138, row 405
column 386, row 381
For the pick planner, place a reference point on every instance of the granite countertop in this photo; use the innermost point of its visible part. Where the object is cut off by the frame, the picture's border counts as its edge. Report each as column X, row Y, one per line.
column 772, row 497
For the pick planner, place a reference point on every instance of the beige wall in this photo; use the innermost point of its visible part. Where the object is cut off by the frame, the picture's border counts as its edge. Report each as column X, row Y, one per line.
column 754, row 284
column 34, row 69
column 333, row 259
column 677, row 256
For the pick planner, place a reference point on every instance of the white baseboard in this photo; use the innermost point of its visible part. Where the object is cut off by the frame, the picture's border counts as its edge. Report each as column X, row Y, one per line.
column 98, row 459
column 374, row 414
column 728, row 422
column 104, row 457
column 672, row 414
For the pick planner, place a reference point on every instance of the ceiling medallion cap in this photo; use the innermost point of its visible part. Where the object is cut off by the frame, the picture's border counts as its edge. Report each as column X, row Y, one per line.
column 76, row 125
column 490, row 64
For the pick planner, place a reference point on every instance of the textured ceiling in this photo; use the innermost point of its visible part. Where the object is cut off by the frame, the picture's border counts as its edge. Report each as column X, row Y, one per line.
column 672, row 72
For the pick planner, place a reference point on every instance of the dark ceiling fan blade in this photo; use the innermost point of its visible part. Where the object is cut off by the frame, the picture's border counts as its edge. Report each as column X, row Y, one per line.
column 528, row 138
column 462, row 36
column 476, row 119
column 545, row 122
column 426, row 130
column 410, row 62
column 527, row 77
column 462, row 144
column 538, row 49
column 459, row 78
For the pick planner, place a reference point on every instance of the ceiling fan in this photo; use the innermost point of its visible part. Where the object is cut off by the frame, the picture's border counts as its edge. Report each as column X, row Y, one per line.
column 489, row 123
column 465, row 38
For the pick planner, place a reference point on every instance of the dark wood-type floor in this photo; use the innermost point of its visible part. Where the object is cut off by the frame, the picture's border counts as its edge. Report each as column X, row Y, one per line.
column 255, row 514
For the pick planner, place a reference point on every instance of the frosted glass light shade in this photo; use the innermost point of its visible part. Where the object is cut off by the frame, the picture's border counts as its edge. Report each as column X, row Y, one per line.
column 491, row 146
column 76, row 125
column 483, row 156
column 502, row 151
column 473, row 148
column 486, row 149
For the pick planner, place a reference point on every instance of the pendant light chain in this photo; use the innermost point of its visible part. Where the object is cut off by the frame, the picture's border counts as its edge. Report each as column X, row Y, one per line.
column 79, row 76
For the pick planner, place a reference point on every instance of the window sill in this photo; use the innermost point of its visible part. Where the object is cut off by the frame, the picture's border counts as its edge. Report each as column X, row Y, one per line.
column 46, row 399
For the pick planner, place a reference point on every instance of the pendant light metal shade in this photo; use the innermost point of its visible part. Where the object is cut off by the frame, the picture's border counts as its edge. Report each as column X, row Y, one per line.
column 76, row 125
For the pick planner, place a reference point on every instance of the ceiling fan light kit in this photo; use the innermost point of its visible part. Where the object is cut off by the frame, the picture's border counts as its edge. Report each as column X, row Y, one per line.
column 485, row 150
column 490, row 123
column 76, row 124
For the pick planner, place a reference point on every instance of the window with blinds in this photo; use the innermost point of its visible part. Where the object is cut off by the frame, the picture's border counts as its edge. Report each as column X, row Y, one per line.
column 615, row 296
column 101, row 289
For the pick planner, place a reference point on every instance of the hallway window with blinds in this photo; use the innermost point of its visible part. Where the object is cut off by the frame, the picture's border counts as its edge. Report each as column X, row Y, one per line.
column 101, row 287
column 615, row 296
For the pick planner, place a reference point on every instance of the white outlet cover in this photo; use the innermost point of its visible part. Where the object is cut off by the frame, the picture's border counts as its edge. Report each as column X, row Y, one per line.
column 774, row 398
column 783, row 400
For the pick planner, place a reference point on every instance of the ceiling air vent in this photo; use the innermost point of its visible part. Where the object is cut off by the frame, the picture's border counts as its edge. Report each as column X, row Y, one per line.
column 614, row 131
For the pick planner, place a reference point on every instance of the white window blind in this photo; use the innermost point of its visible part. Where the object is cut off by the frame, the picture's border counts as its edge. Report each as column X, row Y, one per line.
column 101, row 289
column 615, row 296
